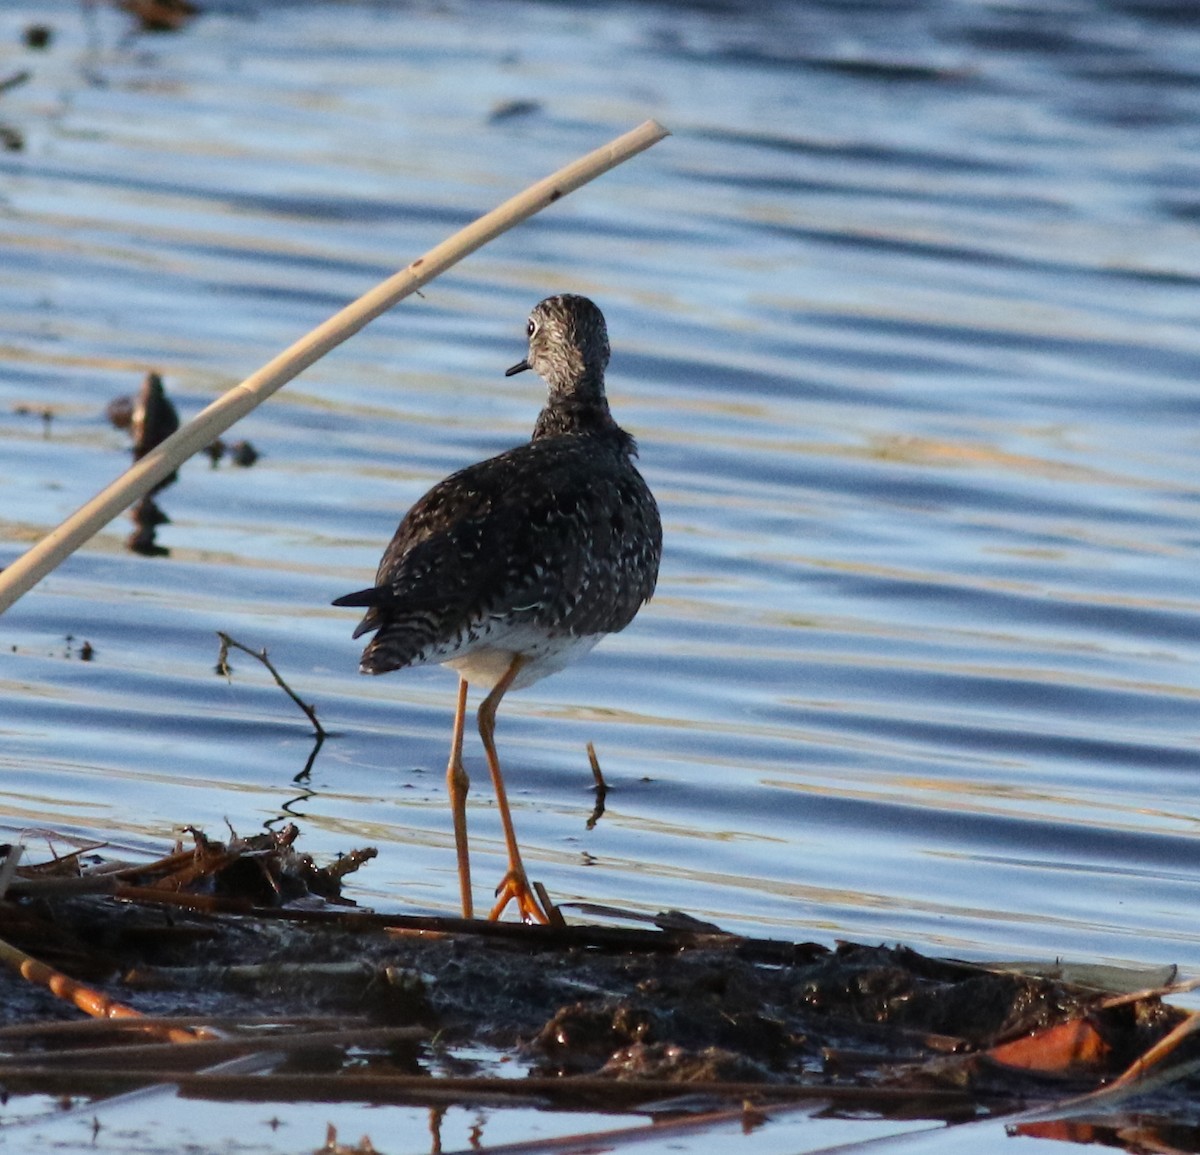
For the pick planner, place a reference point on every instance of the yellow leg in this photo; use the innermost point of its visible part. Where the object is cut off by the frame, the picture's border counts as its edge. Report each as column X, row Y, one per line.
column 515, row 885
column 459, row 784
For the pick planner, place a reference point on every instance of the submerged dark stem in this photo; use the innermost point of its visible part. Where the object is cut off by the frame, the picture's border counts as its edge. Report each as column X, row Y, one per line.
column 601, row 787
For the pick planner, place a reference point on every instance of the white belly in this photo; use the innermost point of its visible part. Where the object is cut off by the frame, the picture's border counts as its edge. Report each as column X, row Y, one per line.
column 485, row 663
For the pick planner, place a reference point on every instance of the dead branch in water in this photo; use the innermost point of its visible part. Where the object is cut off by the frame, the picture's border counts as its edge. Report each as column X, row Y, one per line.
column 601, row 786
column 223, row 667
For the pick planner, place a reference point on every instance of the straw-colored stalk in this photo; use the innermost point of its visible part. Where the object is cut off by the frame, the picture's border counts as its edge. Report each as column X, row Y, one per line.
column 209, row 424
column 94, row 1002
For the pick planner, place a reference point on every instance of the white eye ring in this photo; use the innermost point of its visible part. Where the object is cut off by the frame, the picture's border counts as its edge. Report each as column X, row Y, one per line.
column 531, row 327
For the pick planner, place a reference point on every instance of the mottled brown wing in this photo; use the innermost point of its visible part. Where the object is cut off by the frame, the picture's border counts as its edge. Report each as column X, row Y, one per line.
column 562, row 531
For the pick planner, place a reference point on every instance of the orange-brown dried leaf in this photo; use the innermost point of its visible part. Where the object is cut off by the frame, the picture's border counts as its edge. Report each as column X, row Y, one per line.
column 1066, row 1049
column 1059, row 1130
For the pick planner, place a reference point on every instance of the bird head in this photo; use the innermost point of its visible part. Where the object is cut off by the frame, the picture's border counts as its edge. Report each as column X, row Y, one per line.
column 568, row 347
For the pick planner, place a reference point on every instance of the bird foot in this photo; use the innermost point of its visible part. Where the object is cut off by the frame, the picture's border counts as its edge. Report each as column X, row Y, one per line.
column 514, row 887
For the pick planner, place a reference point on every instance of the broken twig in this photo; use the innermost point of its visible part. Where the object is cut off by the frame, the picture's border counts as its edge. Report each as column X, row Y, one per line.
column 1138, row 1070
column 601, row 786
column 310, row 712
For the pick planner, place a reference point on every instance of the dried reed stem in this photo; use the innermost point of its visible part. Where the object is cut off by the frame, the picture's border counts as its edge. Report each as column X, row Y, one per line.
column 87, row 999
column 162, row 1058
column 574, row 1092
column 1138, row 1071
column 206, row 426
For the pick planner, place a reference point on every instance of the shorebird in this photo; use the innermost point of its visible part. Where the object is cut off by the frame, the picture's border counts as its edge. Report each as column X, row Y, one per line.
column 515, row 567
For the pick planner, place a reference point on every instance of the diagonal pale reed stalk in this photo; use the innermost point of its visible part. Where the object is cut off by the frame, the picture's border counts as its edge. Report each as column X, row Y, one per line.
column 88, row 999
column 210, row 423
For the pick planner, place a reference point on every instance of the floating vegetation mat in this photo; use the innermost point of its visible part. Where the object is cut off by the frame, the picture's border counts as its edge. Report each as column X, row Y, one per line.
column 227, row 958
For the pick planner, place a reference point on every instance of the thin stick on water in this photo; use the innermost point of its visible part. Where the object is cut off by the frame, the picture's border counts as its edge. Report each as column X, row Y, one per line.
column 24, row 573
column 601, row 786
column 228, row 643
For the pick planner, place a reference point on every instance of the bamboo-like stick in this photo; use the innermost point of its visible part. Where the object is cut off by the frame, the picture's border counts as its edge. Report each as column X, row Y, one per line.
column 24, row 573
column 88, row 999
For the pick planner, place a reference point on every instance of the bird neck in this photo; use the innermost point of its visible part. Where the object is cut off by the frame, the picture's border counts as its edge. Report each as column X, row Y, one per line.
column 575, row 417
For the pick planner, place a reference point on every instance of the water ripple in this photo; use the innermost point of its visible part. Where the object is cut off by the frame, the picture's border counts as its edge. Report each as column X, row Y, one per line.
column 902, row 318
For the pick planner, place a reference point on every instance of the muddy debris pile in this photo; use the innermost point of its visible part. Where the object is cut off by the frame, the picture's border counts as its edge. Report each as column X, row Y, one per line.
column 204, row 953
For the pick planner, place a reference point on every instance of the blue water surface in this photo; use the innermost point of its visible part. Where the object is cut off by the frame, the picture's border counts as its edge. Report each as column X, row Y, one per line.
column 903, row 318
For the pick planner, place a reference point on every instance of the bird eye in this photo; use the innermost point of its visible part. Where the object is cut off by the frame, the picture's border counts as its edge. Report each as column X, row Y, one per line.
column 530, row 328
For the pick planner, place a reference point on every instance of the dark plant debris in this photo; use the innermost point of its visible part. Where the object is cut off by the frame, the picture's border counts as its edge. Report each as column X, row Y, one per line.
column 160, row 15
column 504, row 110
column 15, row 80
column 196, row 951
column 86, row 651
column 38, row 36
column 150, row 418
column 243, row 454
column 44, row 412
